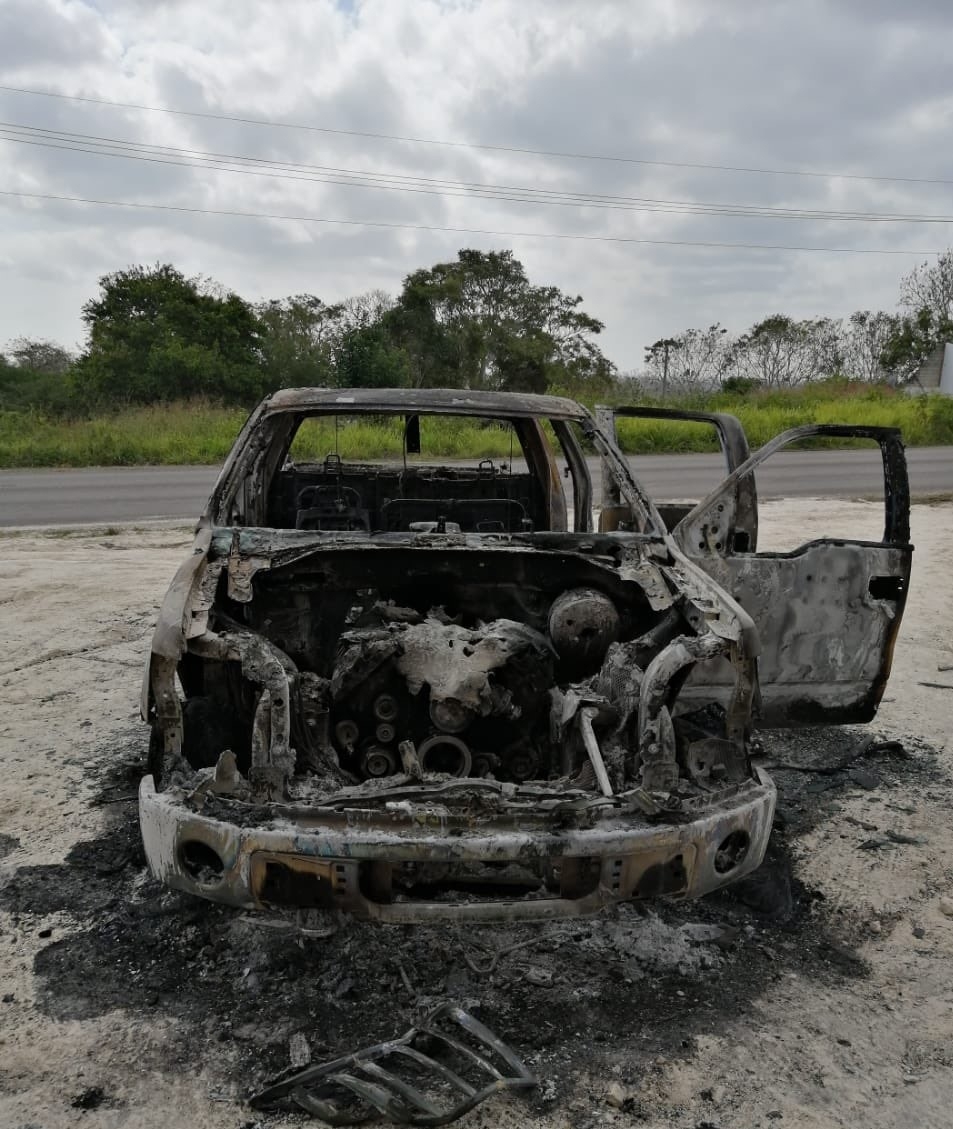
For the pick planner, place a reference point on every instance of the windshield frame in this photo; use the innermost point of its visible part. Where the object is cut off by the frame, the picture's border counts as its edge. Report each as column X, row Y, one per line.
column 238, row 497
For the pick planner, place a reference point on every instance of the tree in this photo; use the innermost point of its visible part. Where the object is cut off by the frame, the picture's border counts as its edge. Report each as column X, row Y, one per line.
column 930, row 288
column 35, row 375
column 926, row 297
column 299, row 335
column 480, row 323
column 864, row 340
column 658, row 357
column 367, row 358
column 913, row 340
column 779, row 352
column 40, row 356
column 695, row 359
column 362, row 310
column 156, row 335
column 568, row 334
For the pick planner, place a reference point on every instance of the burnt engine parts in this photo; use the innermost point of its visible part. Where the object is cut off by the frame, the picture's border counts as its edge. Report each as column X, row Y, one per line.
column 582, row 625
column 472, row 700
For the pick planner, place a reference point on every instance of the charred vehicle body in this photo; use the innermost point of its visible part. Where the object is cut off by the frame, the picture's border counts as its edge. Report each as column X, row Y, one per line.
column 415, row 691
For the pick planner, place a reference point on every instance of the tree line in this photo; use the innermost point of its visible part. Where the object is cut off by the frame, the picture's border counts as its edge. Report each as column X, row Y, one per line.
column 782, row 352
column 154, row 335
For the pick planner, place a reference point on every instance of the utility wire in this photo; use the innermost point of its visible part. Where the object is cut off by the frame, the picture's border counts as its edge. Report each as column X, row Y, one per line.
column 571, row 236
column 554, row 154
column 360, row 178
column 111, row 142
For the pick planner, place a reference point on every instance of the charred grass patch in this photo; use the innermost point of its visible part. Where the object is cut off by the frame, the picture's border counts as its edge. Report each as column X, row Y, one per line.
column 565, row 996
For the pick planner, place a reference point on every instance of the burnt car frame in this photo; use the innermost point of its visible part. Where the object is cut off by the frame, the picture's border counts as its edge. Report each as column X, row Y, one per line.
column 415, row 691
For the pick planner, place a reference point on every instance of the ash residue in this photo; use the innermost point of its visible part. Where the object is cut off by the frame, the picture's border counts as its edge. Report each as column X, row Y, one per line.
column 566, row 996
column 815, row 768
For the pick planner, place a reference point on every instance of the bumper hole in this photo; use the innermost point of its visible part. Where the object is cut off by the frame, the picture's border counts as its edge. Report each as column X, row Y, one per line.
column 285, row 885
column 201, row 862
column 662, row 879
column 732, row 851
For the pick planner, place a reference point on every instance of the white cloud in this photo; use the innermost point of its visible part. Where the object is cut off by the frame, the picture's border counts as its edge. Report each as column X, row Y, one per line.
column 835, row 87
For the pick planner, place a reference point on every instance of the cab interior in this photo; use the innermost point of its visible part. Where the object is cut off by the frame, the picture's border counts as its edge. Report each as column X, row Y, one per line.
column 535, row 480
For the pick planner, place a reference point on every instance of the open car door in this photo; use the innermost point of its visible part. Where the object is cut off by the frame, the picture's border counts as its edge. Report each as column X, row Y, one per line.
column 828, row 611
column 734, row 449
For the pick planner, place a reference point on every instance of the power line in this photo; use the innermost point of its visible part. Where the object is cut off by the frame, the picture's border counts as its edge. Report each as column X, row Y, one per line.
column 570, row 236
column 96, row 145
column 552, row 154
column 110, row 142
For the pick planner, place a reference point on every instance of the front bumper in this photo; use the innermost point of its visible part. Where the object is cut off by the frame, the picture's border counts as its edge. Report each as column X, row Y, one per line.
column 348, row 863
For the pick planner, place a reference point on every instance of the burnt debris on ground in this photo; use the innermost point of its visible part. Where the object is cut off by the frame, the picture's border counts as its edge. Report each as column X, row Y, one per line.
column 414, row 1087
column 564, row 995
column 814, row 767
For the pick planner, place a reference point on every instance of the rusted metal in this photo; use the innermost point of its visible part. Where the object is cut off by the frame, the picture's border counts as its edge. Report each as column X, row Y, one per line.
column 449, row 691
column 827, row 614
column 734, row 446
column 656, row 745
column 357, row 1087
column 708, row 525
column 586, row 717
column 324, row 856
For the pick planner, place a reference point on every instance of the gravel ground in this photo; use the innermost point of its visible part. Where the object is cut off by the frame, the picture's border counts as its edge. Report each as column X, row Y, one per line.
column 815, row 994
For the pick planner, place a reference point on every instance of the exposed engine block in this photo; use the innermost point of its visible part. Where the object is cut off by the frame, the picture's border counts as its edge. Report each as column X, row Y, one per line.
column 473, row 700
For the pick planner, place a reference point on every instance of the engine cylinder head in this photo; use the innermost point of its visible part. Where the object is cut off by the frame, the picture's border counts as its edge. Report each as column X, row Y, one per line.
column 445, row 753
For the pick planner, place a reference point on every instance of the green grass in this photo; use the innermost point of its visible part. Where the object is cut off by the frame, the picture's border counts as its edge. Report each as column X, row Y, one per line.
column 382, row 437
column 171, row 434
column 925, row 421
column 183, row 433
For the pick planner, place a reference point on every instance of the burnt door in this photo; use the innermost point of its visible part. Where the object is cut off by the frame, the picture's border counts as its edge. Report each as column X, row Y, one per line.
column 828, row 611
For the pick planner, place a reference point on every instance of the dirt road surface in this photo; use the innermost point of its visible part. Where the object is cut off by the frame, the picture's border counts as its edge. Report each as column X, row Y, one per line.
column 818, row 994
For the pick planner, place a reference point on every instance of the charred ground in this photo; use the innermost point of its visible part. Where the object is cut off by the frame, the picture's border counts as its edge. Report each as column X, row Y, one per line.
column 566, row 996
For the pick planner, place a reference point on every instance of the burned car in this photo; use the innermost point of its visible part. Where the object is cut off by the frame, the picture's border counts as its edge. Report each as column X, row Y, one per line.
column 418, row 690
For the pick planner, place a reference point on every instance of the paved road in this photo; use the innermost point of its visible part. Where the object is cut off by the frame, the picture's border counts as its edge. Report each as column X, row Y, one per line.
column 122, row 494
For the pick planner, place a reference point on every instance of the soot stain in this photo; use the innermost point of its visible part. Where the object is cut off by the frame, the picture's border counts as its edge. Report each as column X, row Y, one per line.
column 240, row 989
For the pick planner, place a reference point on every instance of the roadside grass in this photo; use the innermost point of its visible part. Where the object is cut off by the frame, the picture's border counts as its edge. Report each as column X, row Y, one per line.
column 925, row 421
column 179, row 433
column 383, row 437
column 202, row 432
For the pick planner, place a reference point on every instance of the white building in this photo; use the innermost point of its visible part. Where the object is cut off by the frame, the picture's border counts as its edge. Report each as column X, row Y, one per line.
column 936, row 372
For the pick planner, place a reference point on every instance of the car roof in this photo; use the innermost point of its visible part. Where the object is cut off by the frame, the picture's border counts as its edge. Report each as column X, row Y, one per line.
column 454, row 401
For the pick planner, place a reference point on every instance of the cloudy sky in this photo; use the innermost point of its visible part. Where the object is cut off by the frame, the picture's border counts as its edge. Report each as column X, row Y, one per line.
column 632, row 100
